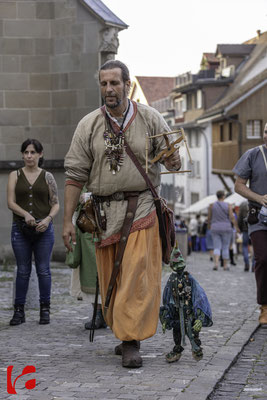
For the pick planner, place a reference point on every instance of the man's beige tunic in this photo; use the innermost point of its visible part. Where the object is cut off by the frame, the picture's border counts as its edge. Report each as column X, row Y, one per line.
column 86, row 162
column 134, row 307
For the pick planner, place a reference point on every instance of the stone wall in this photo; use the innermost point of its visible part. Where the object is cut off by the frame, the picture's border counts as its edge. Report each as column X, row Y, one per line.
column 50, row 52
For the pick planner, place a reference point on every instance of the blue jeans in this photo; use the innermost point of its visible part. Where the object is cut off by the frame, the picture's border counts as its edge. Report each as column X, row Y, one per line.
column 23, row 247
column 221, row 242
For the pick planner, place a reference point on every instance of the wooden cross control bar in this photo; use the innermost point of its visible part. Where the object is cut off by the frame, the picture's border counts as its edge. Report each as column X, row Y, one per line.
column 170, row 149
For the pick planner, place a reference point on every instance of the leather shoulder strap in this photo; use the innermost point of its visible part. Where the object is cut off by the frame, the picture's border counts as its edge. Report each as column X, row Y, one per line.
column 140, row 169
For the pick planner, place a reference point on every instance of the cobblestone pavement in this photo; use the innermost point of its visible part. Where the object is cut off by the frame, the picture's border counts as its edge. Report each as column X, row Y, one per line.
column 68, row 366
column 247, row 378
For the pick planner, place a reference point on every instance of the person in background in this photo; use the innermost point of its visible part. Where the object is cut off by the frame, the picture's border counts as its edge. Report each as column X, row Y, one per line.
column 84, row 271
column 233, row 240
column 208, row 238
column 177, row 222
column 32, row 197
column 181, row 234
column 252, row 167
column 193, row 230
column 220, row 217
column 202, row 230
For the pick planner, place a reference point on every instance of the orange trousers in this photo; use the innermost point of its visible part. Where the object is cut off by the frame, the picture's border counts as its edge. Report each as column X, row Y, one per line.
column 134, row 307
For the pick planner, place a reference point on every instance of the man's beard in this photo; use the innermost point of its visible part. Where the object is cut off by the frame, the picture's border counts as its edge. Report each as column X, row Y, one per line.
column 113, row 105
column 118, row 100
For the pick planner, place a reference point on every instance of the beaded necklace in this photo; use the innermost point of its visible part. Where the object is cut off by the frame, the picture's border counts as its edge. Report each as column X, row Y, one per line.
column 114, row 144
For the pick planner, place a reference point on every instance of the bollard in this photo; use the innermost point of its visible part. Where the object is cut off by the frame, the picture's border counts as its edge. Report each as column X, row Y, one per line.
column 32, row 299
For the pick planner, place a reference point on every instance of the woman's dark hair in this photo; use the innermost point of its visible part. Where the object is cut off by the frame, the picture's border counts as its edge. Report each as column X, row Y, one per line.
column 38, row 147
column 111, row 64
column 220, row 194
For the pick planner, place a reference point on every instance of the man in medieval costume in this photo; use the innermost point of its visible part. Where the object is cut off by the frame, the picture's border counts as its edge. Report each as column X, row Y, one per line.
column 97, row 158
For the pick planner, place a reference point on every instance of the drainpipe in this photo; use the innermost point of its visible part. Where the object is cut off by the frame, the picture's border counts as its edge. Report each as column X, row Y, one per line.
column 207, row 159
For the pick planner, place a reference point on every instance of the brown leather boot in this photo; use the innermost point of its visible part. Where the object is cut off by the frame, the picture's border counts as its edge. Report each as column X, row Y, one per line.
column 130, row 355
column 118, row 348
column 263, row 315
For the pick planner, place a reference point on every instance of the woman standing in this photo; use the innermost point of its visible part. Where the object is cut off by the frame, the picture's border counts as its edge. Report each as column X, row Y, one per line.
column 32, row 196
column 219, row 222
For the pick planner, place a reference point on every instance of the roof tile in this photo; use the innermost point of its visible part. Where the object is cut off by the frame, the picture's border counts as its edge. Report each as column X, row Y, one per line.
column 156, row 87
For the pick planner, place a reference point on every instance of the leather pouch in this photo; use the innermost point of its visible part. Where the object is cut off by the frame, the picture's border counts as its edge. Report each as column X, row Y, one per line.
column 86, row 220
column 253, row 216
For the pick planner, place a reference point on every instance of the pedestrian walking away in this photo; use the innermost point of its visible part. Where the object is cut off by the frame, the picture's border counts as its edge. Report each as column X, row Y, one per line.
column 97, row 158
column 32, row 197
column 220, row 217
column 252, row 167
column 193, row 230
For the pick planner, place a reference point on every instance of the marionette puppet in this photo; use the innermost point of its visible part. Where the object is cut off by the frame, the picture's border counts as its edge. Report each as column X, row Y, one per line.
column 185, row 309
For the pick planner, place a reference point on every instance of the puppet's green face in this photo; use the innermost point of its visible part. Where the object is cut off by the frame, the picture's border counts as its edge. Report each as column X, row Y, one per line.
column 177, row 262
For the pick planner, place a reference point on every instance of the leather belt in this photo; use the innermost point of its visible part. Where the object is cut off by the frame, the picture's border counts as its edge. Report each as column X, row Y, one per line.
column 118, row 196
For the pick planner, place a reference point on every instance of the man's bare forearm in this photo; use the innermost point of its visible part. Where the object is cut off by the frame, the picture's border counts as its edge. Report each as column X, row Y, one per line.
column 245, row 191
column 71, row 199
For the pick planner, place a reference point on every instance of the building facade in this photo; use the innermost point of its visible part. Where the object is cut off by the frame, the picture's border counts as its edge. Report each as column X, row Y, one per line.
column 238, row 119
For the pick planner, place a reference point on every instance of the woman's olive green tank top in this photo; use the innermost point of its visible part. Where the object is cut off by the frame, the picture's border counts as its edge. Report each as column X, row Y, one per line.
column 32, row 198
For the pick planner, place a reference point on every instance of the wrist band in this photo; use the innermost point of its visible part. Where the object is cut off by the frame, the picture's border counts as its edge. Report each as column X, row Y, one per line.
column 50, row 217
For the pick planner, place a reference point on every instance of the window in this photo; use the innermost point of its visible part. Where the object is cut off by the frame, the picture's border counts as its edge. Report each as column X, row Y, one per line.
column 199, row 98
column 194, row 197
column 198, row 139
column 254, row 129
column 190, row 167
column 189, row 101
column 167, row 191
column 230, row 131
column 178, row 106
column 179, row 193
column 223, row 63
column 189, row 139
column 194, row 100
column 170, row 123
column 193, row 138
column 221, row 133
column 184, row 104
column 195, row 169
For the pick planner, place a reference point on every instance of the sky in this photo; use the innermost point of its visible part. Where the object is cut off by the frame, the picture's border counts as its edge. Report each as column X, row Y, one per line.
column 168, row 37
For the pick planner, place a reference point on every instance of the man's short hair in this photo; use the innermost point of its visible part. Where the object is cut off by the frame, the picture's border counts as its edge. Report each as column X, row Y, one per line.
column 111, row 64
column 220, row 194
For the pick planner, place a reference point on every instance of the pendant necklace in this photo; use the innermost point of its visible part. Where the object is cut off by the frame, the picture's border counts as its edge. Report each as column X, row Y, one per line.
column 114, row 144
